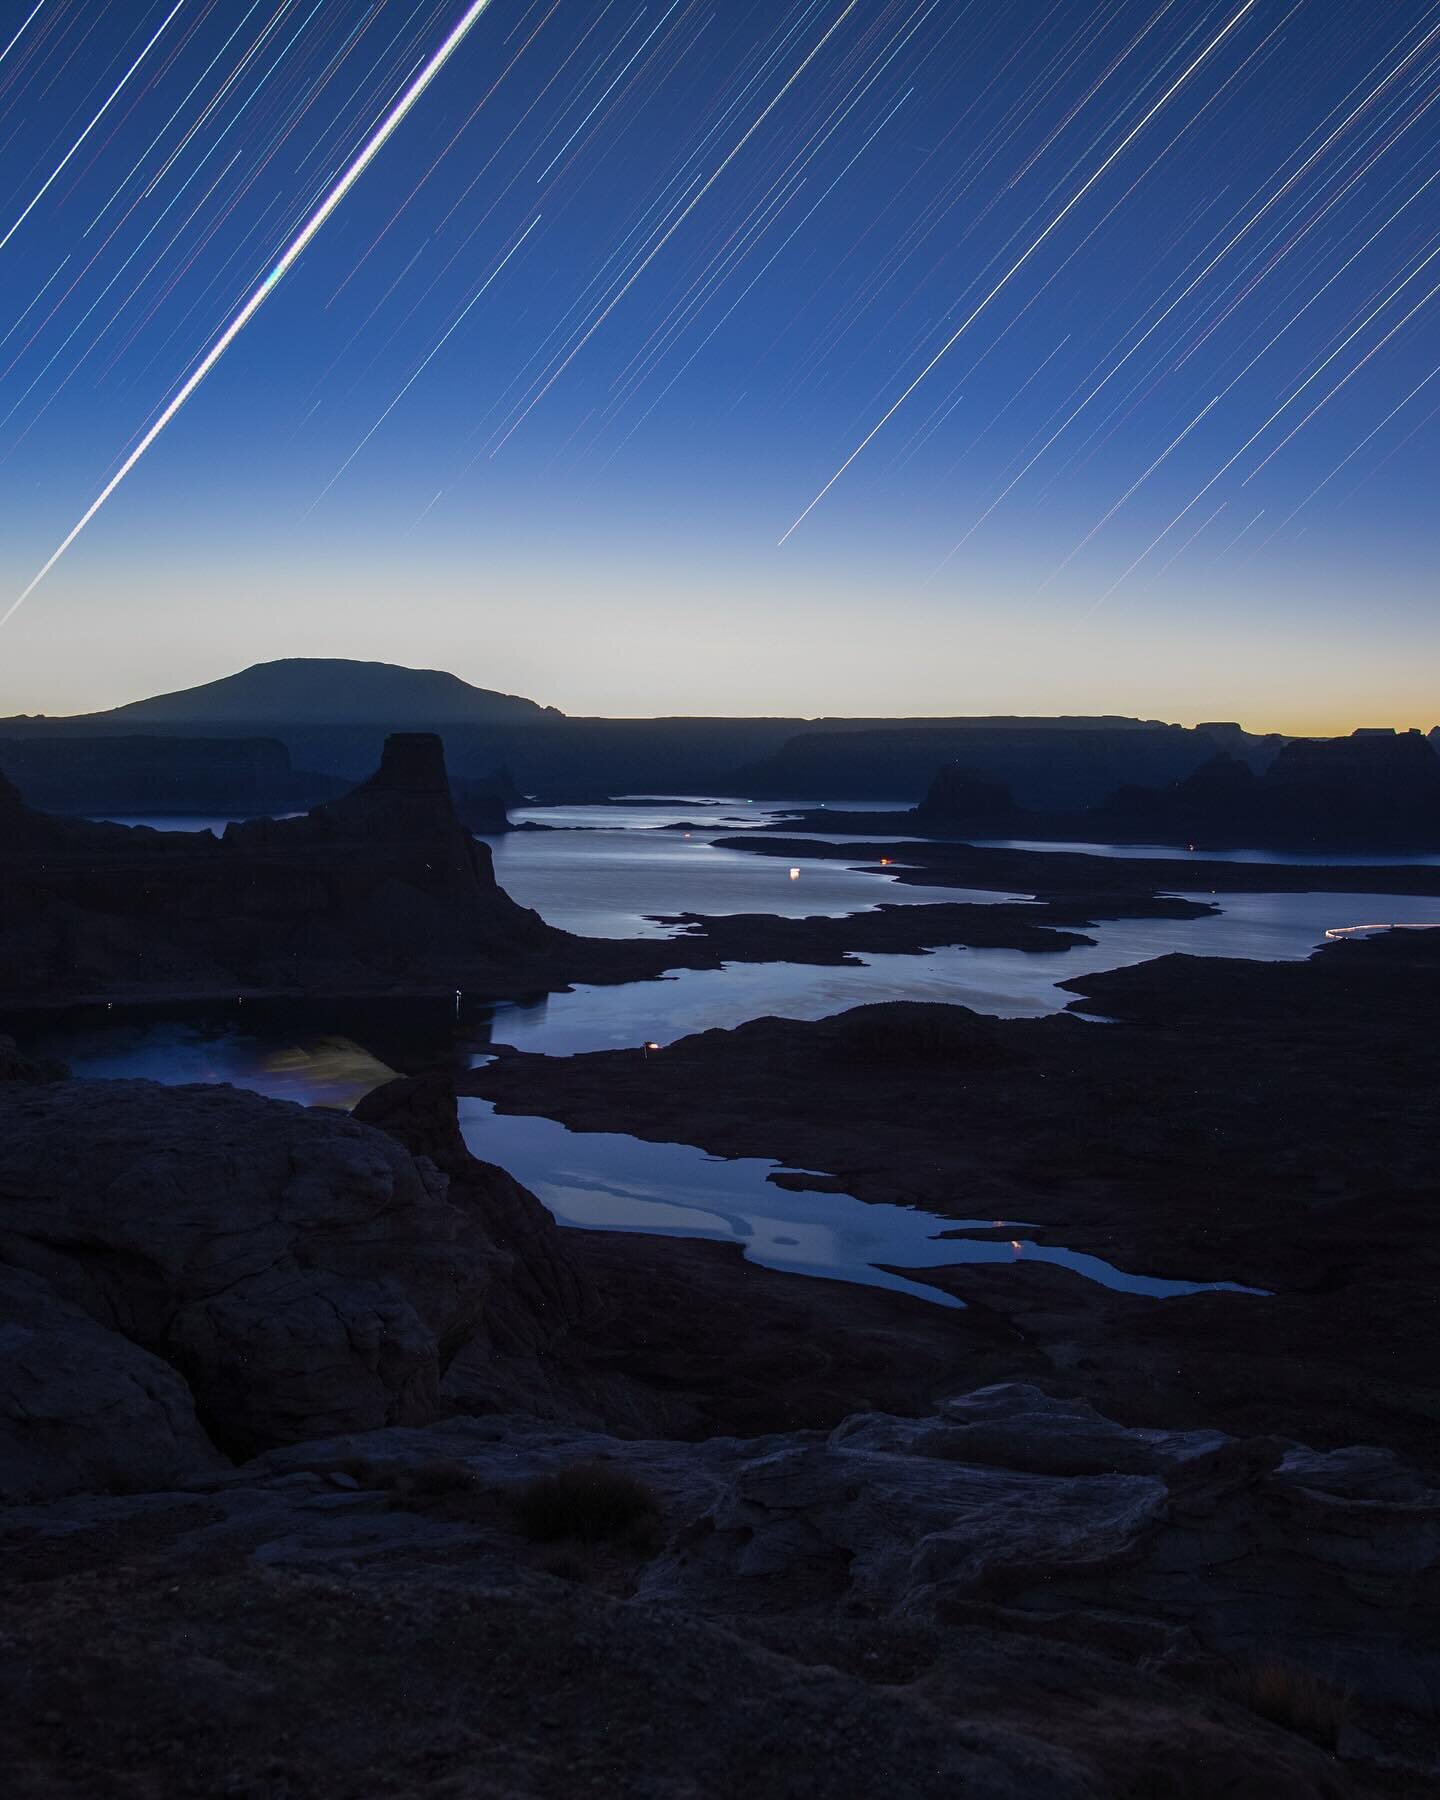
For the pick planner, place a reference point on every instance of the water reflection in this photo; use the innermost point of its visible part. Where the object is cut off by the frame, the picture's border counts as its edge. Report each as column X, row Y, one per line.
column 607, row 1181
column 611, row 882
column 600, row 1180
column 212, row 822
column 215, row 1041
column 1006, row 983
column 314, row 1054
column 605, row 882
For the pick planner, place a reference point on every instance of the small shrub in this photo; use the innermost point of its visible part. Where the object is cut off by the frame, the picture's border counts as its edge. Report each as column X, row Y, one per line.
column 359, row 1468
column 589, row 1502
column 439, row 1479
column 1298, row 1700
column 564, row 1565
column 444, row 1475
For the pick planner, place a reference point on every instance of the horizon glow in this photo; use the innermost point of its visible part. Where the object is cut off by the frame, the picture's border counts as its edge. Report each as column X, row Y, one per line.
column 1120, row 325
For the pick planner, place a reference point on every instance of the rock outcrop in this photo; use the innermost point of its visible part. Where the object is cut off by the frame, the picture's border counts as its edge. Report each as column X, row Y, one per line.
column 83, row 1409
column 959, row 799
column 537, row 1291
column 1009, row 1594
column 1011, row 1598
column 199, row 1265
column 483, row 806
column 382, row 888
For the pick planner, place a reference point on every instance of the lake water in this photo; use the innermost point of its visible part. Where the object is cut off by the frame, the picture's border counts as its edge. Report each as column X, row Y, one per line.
column 609, row 883
column 1010, row 984
column 608, row 1181
column 600, row 1180
column 604, row 875
column 604, row 871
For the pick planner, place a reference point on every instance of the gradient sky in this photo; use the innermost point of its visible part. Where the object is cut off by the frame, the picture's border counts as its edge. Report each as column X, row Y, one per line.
column 718, row 242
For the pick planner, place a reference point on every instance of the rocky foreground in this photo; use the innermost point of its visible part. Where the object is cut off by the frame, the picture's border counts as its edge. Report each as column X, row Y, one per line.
column 332, row 1467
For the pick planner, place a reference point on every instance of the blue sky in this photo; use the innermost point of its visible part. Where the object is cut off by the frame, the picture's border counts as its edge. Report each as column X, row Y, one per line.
column 1127, row 311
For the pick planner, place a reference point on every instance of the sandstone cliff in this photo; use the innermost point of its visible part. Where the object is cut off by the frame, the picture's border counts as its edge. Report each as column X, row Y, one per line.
column 383, row 888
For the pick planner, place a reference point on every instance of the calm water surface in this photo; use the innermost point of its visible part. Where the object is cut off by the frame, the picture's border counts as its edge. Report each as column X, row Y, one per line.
column 607, row 1181
column 605, row 871
column 599, row 1180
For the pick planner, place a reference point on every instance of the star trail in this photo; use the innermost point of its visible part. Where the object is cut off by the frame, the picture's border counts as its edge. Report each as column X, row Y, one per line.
column 1037, row 344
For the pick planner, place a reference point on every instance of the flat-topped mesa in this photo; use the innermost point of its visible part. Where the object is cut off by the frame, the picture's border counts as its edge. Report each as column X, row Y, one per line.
column 412, row 763
column 412, row 786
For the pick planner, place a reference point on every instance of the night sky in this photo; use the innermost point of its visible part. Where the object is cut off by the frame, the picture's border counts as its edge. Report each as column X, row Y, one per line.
column 1128, row 316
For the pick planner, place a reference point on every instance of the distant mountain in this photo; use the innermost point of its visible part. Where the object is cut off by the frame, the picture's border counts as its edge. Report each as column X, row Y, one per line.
column 322, row 690
column 332, row 716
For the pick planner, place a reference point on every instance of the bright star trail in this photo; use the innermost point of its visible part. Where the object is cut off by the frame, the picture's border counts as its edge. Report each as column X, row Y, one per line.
column 1014, row 269
column 247, row 312
column 110, row 98
column 1082, row 342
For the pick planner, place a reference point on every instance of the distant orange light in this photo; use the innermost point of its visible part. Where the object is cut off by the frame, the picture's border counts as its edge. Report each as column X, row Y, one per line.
column 884, row 862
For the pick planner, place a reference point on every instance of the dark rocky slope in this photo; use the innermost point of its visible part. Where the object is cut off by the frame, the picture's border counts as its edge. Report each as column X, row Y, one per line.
column 264, row 1273
column 381, row 888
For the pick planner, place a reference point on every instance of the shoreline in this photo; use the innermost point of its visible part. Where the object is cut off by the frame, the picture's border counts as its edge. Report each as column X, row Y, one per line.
column 1069, row 875
column 1245, row 1122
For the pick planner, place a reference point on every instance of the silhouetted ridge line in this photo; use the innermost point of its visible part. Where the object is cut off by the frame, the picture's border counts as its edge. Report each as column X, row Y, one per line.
column 334, row 690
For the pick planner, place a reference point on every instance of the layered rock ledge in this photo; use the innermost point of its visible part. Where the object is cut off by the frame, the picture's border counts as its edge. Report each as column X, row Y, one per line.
column 277, row 1384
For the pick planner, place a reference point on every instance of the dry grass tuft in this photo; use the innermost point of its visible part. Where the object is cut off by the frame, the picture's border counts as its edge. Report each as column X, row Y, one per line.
column 443, row 1475
column 1297, row 1700
column 589, row 1503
